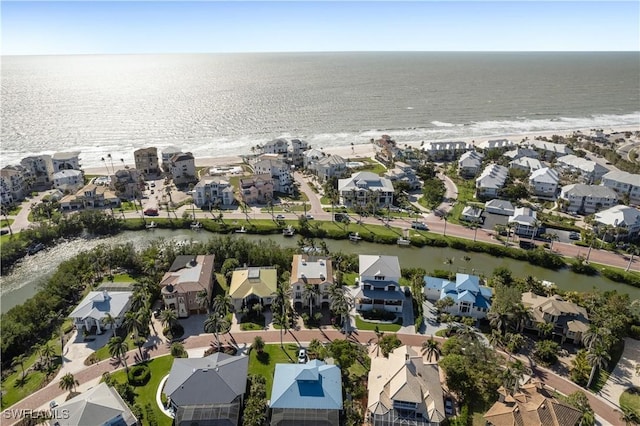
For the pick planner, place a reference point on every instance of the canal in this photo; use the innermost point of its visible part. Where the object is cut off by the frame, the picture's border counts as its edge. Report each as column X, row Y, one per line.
column 27, row 276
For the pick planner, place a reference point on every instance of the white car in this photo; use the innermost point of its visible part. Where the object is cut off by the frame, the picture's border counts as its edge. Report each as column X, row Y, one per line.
column 309, row 217
column 280, row 217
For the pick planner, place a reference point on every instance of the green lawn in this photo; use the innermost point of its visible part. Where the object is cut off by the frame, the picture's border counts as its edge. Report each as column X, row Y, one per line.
column 120, row 278
column 631, row 398
column 220, row 285
column 349, row 278
column 14, row 210
column 265, row 363
column 146, row 394
column 5, row 222
column 366, row 325
column 103, row 352
column 370, row 166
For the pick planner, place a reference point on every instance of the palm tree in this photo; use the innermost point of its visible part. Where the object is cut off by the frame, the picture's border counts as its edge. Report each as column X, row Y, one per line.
column 545, row 329
column 629, row 416
column 111, row 322
column 498, row 320
column 598, row 357
column 282, row 304
column 216, row 324
column 310, row 293
column 495, row 338
column 135, row 323
column 633, row 250
column 467, row 333
column 222, row 304
column 139, row 300
column 19, row 360
column 596, row 335
column 341, row 302
column 202, row 299
column 68, row 382
column 6, row 218
column 258, row 344
column 47, row 352
column 431, row 348
column 118, row 349
column 168, row 318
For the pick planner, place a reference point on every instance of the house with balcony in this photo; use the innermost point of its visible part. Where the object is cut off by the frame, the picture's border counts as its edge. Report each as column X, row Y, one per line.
column 544, row 183
column 588, row 198
column 166, row 156
column 327, row 166
column 404, row 390
column 526, row 164
column 521, row 152
column 90, row 196
column 187, row 276
column 365, row 188
column 306, row 394
column 14, row 184
column 549, row 150
column 296, row 153
column 570, row 321
column 588, row 171
column 66, row 161
column 402, row 172
column 502, row 144
column 491, row 181
column 470, row 299
column 40, row 167
column 146, row 161
column 92, row 312
column 253, row 285
column 314, row 271
column 280, row 173
column 379, row 287
column 213, row 191
column 183, row 169
column 207, row 391
column 624, row 183
column 621, row 217
column 445, row 151
column 525, row 222
column 127, row 183
column 278, row 146
column 257, row 189
column 69, row 181
column 500, row 207
column 469, row 164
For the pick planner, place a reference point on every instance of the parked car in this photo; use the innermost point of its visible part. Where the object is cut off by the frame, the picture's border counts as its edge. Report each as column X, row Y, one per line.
column 53, row 405
column 309, row 217
column 574, row 236
column 302, row 356
column 448, row 407
column 280, row 217
column 151, row 212
column 420, row 225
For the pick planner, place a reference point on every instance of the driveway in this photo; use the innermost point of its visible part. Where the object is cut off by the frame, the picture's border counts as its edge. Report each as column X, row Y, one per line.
column 430, row 323
column 624, row 375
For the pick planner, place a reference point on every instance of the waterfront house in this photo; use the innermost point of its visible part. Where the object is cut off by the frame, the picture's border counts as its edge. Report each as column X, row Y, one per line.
column 364, row 188
column 501, row 207
column 570, row 321
column 445, row 151
column 13, row 184
column 495, row 144
column 280, row 173
column 379, row 278
column 166, row 155
column 278, row 146
column 69, row 181
column 470, row 299
column 521, row 152
column 531, row 404
column 91, row 312
column 548, row 149
column 588, row 198
column 311, row 270
column 296, row 154
column 404, row 390
column 471, row 214
column 526, row 164
column 525, row 220
column 469, row 164
column 40, row 167
column 621, row 217
column 146, row 161
column 207, row 391
column 187, row 276
column 306, row 394
column 90, row 196
column 402, row 172
column 625, row 184
column 99, row 405
column 327, row 167
column 589, row 171
column 311, row 156
column 253, row 285
column 257, row 189
column 66, row 161
column 491, row 181
column 183, row 168
column 127, row 183
column 544, row 183
column 213, row 191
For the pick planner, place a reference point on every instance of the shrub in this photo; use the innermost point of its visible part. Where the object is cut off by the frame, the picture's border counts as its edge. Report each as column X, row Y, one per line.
column 634, row 332
column 139, row 375
column 379, row 315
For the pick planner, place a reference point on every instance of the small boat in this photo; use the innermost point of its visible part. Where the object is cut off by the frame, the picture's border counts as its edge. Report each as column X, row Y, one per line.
column 288, row 231
column 241, row 231
column 404, row 242
column 152, row 225
column 355, row 237
column 34, row 248
column 196, row 225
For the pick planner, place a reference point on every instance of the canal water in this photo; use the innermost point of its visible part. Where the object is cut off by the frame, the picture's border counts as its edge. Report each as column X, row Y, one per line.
column 27, row 276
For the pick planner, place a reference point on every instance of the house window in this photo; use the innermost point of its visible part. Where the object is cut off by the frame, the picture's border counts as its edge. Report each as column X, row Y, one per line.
column 391, row 288
column 379, row 277
column 298, row 295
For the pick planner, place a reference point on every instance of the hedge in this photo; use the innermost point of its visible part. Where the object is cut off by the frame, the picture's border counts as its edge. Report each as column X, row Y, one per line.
column 139, row 375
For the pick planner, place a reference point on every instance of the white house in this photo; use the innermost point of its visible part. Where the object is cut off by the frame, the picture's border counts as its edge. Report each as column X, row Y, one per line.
column 92, row 311
column 495, row 144
column 549, row 149
column 276, row 146
column 501, row 207
column 68, row 180
column 327, row 167
column 624, row 184
column 590, row 171
column 279, row 171
column 620, row 216
column 13, row 184
column 469, row 163
column 469, row 297
column 40, row 167
column 311, row 271
column 379, row 278
column 491, row 180
column 403, row 172
column 588, row 198
column 525, row 221
column 445, row 150
column 520, row 152
column 544, row 182
column 363, row 187
column 182, row 167
column 311, row 156
column 471, row 214
column 66, row 161
column 527, row 164
column 296, row 155
column 211, row 191
column 167, row 154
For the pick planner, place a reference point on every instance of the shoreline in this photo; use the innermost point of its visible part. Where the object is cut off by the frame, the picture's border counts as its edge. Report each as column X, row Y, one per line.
column 367, row 150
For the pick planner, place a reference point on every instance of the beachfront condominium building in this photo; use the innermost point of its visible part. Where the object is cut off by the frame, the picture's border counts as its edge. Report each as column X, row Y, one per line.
column 501, row 144
column 183, row 169
column 588, row 171
column 279, row 171
column 520, row 152
column 588, row 198
column 13, row 184
column 379, row 278
column 188, row 276
column 365, row 190
column 549, row 150
column 69, row 181
column 491, row 181
column 625, row 184
column 166, row 155
column 257, row 189
column 296, row 155
column 469, row 164
column 41, row 169
column 311, row 276
column 544, row 183
column 278, row 146
column 213, row 191
column 66, row 161
column 127, row 183
column 439, row 151
column 146, row 160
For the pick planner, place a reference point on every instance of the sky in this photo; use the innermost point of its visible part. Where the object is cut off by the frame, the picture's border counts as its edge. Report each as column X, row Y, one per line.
column 125, row 27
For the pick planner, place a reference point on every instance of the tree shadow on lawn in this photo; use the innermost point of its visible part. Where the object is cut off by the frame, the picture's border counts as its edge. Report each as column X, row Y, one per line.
column 263, row 357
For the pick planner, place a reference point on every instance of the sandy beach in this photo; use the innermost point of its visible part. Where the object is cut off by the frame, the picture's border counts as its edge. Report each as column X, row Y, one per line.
column 367, row 150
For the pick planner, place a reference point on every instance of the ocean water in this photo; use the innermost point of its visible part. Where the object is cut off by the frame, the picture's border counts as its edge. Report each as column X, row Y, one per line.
column 222, row 104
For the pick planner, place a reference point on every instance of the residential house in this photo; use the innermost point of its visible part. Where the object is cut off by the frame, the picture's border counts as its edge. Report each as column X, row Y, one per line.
column 469, row 297
column 253, row 285
column 365, row 188
column 569, row 320
column 298, row 148
column 588, row 198
column 99, row 405
column 525, row 220
column 213, row 191
column 531, row 404
column 65, row 161
column 257, row 189
column 621, row 217
column 187, row 276
column 128, row 183
column 278, row 146
column 146, row 161
column 526, row 164
column 311, row 271
column 311, row 156
column 404, row 390
column 90, row 196
column 469, row 164
column 280, row 173
column 307, row 394
column 69, row 181
column 501, row 207
column 625, row 184
column 471, row 214
column 40, row 167
column 445, row 151
column 548, row 149
column 589, row 171
column 402, row 172
column 167, row 154
column 207, row 391
column 491, row 181
column 495, row 144
column 544, row 182
column 93, row 310
column 183, row 168
column 327, row 167
column 520, row 152
column 379, row 279
column 13, row 184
